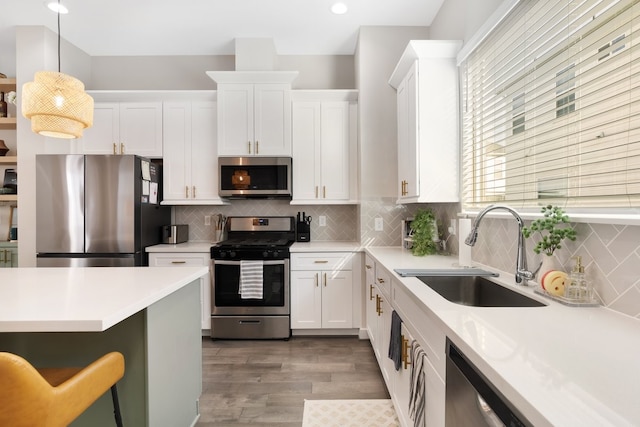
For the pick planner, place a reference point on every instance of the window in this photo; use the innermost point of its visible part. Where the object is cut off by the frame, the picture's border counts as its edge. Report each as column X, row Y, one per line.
column 551, row 107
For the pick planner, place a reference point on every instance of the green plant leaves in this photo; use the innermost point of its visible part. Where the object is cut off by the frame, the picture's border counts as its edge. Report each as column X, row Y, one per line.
column 547, row 227
column 423, row 230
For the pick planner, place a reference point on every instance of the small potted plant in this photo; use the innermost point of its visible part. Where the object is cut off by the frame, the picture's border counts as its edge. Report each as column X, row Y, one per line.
column 424, row 229
column 550, row 229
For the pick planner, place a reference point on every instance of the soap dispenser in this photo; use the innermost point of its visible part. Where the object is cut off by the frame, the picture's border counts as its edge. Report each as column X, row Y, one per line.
column 579, row 288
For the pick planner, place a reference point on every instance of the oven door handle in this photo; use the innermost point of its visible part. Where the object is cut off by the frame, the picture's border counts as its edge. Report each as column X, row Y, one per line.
column 275, row 262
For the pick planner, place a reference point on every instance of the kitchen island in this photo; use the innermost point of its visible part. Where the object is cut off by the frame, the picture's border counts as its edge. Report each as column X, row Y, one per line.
column 72, row 316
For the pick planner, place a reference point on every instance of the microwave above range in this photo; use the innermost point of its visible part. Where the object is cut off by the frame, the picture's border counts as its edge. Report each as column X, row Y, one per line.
column 255, row 177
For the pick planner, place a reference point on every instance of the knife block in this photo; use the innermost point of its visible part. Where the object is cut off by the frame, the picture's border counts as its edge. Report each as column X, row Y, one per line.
column 303, row 232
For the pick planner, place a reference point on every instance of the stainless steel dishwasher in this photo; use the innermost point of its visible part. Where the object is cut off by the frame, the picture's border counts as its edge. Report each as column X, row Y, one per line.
column 471, row 400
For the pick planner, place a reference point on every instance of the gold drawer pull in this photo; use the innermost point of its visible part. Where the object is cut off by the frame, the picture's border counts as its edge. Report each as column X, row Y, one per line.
column 178, row 262
column 370, row 292
column 320, row 261
column 368, row 266
column 405, row 351
column 380, row 280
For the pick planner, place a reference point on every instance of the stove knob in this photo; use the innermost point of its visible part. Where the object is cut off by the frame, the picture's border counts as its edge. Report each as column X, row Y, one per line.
column 265, row 254
column 232, row 254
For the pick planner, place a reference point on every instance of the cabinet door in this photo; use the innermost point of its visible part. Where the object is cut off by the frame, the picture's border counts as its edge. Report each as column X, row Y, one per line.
column 384, row 335
column 177, row 150
column 306, row 150
column 334, row 157
column 204, row 163
column 306, row 300
column 272, row 120
column 370, row 301
column 408, row 148
column 104, row 136
column 183, row 259
column 235, row 119
column 337, row 299
column 141, row 128
column 402, row 380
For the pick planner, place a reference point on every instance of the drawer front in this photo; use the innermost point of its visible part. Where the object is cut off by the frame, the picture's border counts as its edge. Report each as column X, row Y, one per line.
column 178, row 260
column 383, row 280
column 322, row 261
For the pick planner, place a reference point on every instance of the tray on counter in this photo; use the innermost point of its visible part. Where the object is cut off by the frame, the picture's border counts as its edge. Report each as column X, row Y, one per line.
column 567, row 301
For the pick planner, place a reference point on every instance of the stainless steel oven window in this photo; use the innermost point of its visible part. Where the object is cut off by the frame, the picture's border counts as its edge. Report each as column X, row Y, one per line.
column 226, row 281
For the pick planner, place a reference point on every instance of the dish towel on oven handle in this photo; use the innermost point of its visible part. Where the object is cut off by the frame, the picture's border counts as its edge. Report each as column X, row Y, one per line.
column 251, row 280
column 417, row 392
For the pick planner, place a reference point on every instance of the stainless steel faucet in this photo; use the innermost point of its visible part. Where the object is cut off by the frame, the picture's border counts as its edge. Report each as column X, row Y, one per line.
column 522, row 273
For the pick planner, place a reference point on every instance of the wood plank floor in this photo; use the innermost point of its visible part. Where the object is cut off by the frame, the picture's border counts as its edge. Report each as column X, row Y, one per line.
column 265, row 383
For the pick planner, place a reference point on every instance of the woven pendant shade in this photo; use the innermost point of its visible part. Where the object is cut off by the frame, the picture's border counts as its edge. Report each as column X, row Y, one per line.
column 57, row 105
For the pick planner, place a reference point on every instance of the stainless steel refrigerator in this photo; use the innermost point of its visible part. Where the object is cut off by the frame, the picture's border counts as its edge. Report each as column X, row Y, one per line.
column 95, row 210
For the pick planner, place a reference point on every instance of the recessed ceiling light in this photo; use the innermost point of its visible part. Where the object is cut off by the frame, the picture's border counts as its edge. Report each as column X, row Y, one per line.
column 339, row 8
column 57, row 7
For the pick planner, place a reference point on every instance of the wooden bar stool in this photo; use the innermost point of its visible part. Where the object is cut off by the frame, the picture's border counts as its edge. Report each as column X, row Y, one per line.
column 52, row 397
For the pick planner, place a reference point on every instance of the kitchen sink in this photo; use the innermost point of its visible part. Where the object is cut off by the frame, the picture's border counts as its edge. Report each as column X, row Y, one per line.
column 477, row 291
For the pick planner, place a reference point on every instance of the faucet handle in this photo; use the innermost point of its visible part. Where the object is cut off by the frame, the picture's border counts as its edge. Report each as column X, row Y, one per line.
column 526, row 275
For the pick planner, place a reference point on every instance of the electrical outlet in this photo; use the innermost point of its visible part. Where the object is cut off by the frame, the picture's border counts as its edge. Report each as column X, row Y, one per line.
column 207, row 220
column 452, row 228
column 322, row 221
column 378, row 224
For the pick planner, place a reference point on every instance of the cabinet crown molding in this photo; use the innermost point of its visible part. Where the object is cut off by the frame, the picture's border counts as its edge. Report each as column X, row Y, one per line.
column 423, row 49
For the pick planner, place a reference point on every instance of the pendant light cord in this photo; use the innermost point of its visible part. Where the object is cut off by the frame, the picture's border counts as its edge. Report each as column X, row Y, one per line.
column 59, row 36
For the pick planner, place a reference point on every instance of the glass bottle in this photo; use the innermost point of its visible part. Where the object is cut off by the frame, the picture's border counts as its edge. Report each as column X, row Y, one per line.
column 579, row 287
column 3, row 105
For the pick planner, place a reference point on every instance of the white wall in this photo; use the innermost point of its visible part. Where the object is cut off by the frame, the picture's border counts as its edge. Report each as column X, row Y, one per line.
column 36, row 50
column 379, row 49
column 188, row 72
column 460, row 19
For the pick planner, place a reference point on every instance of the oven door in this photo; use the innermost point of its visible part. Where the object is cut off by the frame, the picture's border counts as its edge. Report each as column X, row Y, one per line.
column 225, row 296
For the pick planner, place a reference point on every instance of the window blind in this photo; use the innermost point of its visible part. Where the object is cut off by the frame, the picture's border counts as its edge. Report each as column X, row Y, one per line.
column 551, row 107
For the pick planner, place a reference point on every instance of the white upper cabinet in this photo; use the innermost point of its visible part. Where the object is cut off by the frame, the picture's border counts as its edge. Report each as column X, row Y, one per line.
column 190, row 159
column 426, row 80
column 125, row 128
column 324, row 133
column 254, row 112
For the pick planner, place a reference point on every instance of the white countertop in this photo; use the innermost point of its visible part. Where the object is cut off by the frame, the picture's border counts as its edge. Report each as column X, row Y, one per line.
column 323, row 246
column 561, row 366
column 326, row 246
column 83, row 299
column 193, row 247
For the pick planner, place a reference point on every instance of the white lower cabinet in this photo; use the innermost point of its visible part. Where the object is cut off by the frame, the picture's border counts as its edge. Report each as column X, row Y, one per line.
column 382, row 296
column 322, row 291
column 189, row 259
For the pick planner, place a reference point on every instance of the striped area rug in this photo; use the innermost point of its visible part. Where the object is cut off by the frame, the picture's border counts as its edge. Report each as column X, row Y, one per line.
column 349, row 413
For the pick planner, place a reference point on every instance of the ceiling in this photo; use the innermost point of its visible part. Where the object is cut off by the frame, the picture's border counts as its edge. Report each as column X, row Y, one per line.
column 209, row 27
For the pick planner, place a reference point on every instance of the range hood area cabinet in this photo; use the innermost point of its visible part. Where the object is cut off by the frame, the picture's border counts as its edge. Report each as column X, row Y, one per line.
column 325, row 147
column 190, row 173
column 426, row 80
column 124, row 128
column 254, row 112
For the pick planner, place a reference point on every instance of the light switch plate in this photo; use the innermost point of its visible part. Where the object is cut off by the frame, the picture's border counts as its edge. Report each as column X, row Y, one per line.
column 322, row 221
column 378, row 224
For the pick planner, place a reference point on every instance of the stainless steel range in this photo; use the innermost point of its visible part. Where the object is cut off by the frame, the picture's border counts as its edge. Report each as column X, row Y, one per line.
column 250, row 279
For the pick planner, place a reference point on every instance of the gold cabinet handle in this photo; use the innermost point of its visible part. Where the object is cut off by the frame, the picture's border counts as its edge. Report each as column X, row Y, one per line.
column 121, row 148
column 257, row 147
column 325, row 280
column 324, row 192
column 380, row 280
column 370, row 292
column 249, row 145
column 405, row 352
column 186, row 191
column 367, row 266
column 4, row 256
column 178, row 262
column 193, row 191
column 316, row 191
column 319, row 261
column 316, row 280
column 378, row 304
column 115, row 148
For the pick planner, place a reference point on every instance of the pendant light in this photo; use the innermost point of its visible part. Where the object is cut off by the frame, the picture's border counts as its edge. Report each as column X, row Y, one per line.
column 56, row 103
